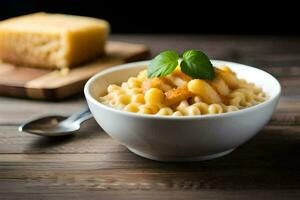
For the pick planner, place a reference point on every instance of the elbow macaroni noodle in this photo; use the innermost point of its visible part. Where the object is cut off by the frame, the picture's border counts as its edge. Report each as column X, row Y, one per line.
column 179, row 95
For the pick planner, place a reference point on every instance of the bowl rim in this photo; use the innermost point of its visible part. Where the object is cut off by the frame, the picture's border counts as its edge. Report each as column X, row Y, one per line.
column 91, row 99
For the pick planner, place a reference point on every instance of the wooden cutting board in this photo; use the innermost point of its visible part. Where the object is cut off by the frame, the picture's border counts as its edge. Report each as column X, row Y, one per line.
column 34, row 83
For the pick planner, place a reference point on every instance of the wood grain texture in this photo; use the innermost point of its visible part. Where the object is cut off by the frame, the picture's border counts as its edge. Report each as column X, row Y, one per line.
column 46, row 84
column 91, row 165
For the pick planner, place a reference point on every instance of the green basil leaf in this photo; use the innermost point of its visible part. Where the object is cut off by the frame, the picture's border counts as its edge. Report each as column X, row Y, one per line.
column 197, row 65
column 163, row 64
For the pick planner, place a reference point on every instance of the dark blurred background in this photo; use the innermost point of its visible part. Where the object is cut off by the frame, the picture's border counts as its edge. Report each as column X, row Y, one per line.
column 198, row 17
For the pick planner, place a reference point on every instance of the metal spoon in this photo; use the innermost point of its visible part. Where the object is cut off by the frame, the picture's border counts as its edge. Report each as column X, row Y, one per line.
column 56, row 125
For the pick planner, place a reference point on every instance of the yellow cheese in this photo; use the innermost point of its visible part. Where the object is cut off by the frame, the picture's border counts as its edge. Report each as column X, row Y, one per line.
column 52, row 40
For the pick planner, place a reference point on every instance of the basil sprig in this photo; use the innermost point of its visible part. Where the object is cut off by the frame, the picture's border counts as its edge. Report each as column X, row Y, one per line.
column 193, row 63
column 163, row 64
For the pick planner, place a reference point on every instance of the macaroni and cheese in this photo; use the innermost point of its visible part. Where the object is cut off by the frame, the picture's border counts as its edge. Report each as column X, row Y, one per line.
column 179, row 95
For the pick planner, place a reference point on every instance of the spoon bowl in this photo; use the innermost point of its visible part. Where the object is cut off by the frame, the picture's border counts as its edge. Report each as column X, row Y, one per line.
column 56, row 125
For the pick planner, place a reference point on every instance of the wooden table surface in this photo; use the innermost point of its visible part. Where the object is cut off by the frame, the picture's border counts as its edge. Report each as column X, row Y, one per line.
column 91, row 165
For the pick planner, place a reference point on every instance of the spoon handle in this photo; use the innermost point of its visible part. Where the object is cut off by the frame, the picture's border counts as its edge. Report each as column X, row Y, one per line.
column 80, row 116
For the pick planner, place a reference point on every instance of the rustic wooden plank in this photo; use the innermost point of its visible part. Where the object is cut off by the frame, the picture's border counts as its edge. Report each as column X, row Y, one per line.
column 17, row 110
column 274, row 138
column 144, row 179
column 148, row 195
column 284, row 71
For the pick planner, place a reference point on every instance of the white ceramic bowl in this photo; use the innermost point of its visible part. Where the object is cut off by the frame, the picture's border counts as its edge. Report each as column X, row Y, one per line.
column 186, row 138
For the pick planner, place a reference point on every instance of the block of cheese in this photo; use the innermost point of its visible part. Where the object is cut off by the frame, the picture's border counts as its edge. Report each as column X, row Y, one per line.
column 52, row 40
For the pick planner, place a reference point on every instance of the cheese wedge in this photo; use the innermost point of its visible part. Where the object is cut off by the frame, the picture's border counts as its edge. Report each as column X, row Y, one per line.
column 52, row 40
